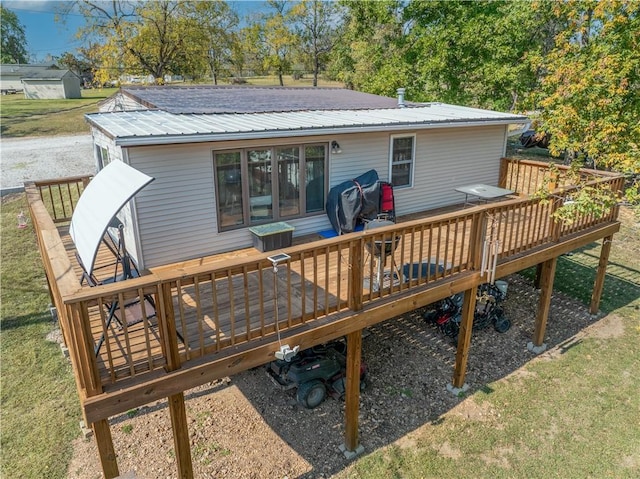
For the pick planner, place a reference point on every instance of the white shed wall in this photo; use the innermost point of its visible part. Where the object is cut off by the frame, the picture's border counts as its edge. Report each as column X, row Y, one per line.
column 71, row 87
column 176, row 214
column 43, row 89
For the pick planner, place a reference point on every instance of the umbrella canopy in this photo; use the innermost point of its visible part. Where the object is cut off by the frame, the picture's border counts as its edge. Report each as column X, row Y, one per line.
column 99, row 203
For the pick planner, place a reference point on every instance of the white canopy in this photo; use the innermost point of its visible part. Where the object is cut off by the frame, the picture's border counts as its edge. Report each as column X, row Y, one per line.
column 101, row 200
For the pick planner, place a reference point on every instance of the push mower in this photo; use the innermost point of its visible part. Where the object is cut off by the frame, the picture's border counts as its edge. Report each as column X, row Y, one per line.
column 446, row 314
column 316, row 372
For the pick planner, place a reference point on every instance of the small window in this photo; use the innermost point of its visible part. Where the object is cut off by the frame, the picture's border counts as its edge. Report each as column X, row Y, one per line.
column 402, row 160
column 103, row 156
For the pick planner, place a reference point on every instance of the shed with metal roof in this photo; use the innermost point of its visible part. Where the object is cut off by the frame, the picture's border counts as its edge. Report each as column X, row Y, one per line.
column 226, row 159
column 51, row 84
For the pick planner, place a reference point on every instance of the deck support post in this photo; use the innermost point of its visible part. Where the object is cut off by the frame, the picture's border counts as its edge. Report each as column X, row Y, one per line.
column 177, row 411
column 598, row 286
column 536, row 280
column 181, row 441
column 464, row 340
column 547, row 274
column 352, row 394
column 106, row 451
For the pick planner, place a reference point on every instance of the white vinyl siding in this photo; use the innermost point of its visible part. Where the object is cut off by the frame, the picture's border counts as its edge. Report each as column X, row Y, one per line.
column 177, row 214
column 449, row 158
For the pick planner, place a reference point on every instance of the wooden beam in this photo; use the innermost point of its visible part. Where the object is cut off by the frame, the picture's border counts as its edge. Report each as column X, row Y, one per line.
column 352, row 393
column 600, row 275
column 546, row 289
column 543, row 253
column 106, row 451
column 181, row 441
column 464, row 336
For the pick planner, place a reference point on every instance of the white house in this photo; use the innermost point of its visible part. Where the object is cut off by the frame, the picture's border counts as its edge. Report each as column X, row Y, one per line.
column 11, row 74
column 51, row 84
column 225, row 159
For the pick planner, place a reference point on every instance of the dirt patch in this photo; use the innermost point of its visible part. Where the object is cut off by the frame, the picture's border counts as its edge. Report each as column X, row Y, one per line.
column 244, row 427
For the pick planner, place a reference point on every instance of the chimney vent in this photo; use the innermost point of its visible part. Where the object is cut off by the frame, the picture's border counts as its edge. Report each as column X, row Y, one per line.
column 401, row 98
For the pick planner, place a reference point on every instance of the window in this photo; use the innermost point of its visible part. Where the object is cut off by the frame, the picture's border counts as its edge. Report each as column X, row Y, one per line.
column 260, row 185
column 103, row 156
column 402, row 160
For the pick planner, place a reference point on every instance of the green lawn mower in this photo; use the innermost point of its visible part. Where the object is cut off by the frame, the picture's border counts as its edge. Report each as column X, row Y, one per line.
column 316, row 372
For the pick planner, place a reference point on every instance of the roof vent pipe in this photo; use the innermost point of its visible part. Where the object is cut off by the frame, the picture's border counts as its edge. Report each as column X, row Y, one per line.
column 401, row 98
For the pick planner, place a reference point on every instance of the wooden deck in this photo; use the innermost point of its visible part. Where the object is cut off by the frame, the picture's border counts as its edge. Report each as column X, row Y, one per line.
column 209, row 309
column 182, row 325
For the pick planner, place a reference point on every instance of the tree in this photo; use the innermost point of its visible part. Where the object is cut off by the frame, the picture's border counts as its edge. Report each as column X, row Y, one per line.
column 153, row 37
column 316, row 22
column 371, row 54
column 80, row 67
column 14, row 41
column 590, row 95
column 276, row 39
column 479, row 53
column 216, row 25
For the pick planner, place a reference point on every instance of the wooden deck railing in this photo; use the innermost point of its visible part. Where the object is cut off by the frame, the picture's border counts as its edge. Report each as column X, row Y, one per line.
column 60, row 196
column 184, row 315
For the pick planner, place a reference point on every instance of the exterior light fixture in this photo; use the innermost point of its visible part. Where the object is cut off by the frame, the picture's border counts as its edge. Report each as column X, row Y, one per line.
column 335, row 147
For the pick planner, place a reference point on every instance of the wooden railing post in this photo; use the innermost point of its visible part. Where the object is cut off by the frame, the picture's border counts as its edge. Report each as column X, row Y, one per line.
column 356, row 274
column 90, row 378
column 555, row 225
column 504, row 172
column 476, row 241
column 167, row 326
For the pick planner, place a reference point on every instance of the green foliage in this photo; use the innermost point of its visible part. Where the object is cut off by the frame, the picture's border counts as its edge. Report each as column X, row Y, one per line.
column 315, row 26
column 589, row 97
column 14, row 42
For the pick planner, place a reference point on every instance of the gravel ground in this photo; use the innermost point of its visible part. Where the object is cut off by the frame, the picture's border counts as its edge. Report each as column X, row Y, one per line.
column 245, row 427
column 35, row 158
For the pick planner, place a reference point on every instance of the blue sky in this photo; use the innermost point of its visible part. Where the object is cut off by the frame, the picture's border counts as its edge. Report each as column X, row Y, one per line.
column 45, row 36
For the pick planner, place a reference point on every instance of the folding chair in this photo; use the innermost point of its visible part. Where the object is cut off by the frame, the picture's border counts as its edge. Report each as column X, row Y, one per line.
column 133, row 311
column 387, row 207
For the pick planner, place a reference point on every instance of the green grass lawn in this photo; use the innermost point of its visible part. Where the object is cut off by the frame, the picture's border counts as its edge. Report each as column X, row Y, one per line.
column 39, row 408
column 20, row 117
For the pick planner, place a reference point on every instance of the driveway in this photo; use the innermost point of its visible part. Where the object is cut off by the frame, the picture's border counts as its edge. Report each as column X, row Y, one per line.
column 41, row 158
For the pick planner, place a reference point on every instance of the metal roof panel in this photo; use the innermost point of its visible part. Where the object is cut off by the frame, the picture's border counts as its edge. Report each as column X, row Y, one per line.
column 157, row 127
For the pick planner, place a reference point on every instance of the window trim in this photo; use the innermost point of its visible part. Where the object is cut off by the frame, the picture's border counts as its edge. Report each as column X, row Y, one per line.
column 411, row 161
column 245, row 192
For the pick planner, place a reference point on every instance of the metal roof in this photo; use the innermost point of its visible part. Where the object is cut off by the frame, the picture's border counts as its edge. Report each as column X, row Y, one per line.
column 253, row 99
column 155, row 127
